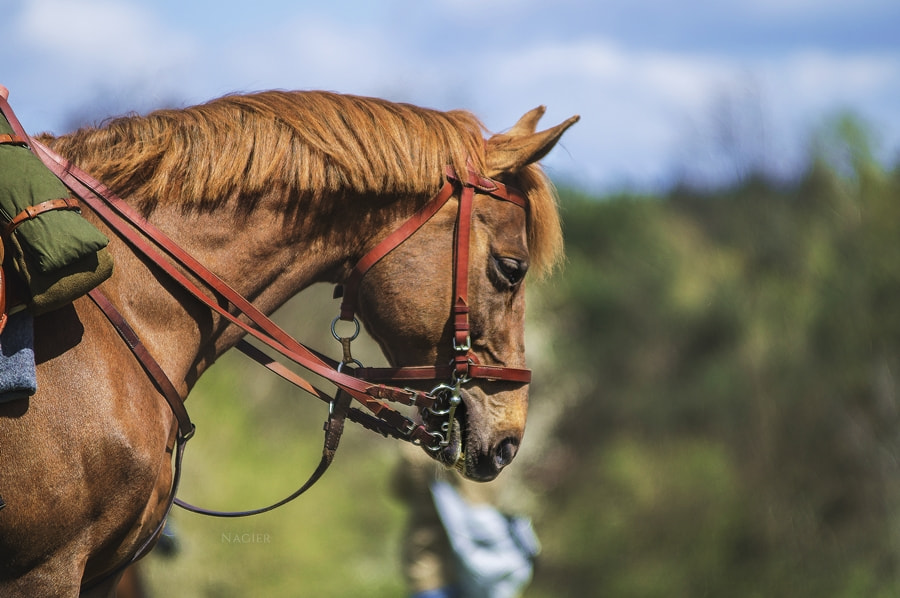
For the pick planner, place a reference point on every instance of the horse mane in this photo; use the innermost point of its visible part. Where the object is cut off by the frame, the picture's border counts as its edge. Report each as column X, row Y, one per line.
column 310, row 145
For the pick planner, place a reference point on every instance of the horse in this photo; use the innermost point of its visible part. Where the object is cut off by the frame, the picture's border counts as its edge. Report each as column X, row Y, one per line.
column 272, row 191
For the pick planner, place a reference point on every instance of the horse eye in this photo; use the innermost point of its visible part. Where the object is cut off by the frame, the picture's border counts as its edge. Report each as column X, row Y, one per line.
column 511, row 269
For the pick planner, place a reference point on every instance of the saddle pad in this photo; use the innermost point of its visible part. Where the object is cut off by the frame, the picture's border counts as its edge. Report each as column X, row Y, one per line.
column 17, row 370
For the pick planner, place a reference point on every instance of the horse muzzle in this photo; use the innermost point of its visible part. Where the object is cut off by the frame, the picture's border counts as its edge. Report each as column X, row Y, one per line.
column 465, row 448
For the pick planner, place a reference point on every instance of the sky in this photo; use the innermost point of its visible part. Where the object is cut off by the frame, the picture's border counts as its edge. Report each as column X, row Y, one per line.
column 667, row 91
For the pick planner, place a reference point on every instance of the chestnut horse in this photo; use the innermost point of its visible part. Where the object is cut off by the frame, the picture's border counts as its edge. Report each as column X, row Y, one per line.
column 273, row 192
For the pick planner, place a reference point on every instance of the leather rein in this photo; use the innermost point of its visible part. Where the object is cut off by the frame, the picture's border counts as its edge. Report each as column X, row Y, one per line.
column 367, row 386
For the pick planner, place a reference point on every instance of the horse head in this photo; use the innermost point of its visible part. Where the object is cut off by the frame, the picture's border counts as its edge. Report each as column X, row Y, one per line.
column 409, row 300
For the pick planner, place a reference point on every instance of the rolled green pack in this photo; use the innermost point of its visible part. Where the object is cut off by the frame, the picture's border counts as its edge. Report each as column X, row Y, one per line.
column 57, row 253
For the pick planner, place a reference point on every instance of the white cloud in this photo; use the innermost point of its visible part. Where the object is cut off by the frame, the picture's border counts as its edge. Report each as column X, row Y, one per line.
column 644, row 112
column 95, row 37
column 633, row 103
column 820, row 76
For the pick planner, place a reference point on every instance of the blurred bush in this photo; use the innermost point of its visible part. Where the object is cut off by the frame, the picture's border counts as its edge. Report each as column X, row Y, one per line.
column 727, row 361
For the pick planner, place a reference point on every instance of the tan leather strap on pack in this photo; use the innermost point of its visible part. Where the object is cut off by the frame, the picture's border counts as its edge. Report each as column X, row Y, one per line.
column 67, row 203
column 7, row 139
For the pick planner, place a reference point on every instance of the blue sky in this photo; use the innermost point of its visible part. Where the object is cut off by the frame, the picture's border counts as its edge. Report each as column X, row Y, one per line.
column 665, row 89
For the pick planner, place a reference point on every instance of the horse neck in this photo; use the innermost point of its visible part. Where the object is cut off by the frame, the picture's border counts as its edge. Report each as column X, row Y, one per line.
column 262, row 256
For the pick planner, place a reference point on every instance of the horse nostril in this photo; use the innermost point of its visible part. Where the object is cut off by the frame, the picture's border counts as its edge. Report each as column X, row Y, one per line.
column 505, row 452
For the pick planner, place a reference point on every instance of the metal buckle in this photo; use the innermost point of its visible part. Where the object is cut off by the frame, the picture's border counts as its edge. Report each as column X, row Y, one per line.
column 465, row 347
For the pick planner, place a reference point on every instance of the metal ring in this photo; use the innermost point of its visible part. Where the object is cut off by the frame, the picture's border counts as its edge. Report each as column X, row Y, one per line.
column 340, row 338
column 441, row 444
column 355, row 362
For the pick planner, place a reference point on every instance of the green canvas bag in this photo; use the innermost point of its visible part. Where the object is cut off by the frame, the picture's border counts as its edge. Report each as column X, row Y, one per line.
column 57, row 253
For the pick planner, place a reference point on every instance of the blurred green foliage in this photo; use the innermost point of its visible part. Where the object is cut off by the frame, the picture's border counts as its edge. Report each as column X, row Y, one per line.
column 257, row 440
column 732, row 358
column 716, row 373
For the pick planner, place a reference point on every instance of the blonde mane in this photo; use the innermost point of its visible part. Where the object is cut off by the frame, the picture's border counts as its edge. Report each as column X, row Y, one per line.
column 313, row 145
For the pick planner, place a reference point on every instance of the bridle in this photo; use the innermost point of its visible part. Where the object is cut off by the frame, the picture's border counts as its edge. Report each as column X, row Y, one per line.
column 464, row 366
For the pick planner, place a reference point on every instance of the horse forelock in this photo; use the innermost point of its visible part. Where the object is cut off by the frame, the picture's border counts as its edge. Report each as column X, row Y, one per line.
column 313, row 145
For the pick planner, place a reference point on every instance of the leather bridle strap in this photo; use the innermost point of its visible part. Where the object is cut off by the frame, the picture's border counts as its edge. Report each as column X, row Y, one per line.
column 147, row 361
column 334, row 428
column 462, row 342
column 350, row 289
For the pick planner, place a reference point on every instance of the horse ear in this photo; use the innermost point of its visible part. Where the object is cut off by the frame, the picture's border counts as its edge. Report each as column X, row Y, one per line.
column 527, row 125
column 521, row 146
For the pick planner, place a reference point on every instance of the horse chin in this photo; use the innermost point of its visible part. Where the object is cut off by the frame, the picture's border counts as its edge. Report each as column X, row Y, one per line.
column 458, row 453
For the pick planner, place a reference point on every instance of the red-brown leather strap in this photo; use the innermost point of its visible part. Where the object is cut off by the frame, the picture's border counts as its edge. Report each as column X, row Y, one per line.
column 495, row 189
column 334, row 429
column 399, row 375
column 19, row 136
column 392, row 241
column 461, row 339
column 147, row 361
column 464, row 363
